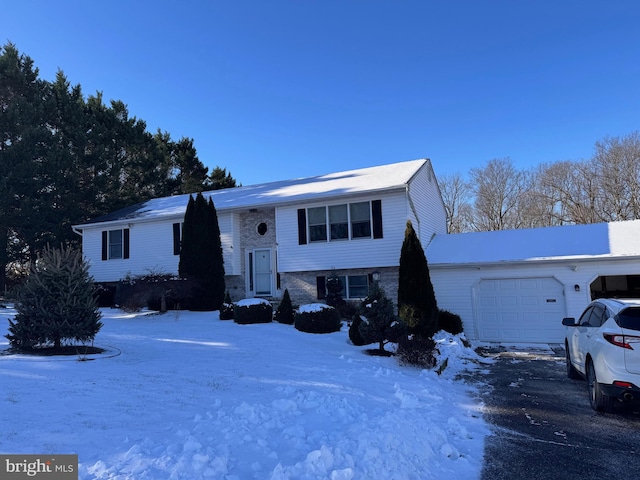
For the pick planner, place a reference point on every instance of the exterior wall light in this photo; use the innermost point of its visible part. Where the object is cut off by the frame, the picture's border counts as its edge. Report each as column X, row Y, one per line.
column 576, row 287
column 376, row 276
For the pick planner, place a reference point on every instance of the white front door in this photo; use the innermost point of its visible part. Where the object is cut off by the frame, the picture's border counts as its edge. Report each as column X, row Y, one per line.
column 262, row 272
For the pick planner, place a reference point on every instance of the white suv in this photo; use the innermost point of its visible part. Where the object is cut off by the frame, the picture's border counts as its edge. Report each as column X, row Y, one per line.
column 604, row 347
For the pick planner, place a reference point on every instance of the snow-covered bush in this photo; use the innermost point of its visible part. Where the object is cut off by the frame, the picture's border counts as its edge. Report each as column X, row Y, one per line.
column 252, row 310
column 317, row 318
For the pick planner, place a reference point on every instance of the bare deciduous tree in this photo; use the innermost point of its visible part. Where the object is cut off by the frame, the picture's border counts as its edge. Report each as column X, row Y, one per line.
column 498, row 188
column 456, row 195
column 617, row 165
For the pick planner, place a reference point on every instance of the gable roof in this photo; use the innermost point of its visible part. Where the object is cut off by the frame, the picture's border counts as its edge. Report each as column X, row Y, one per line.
column 567, row 242
column 365, row 180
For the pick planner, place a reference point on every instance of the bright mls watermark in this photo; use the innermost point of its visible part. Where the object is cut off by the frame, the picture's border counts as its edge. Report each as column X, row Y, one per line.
column 50, row 467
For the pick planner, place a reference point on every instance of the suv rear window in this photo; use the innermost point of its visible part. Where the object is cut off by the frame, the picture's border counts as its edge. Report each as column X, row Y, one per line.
column 629, row 318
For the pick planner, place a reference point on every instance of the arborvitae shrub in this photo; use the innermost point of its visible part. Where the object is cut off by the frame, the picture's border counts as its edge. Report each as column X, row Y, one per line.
column 450, row 322
column 226, row 310
column 252, row 311
column 417, row 305
column 317, row 318
column 57, row 303
column 285, row 313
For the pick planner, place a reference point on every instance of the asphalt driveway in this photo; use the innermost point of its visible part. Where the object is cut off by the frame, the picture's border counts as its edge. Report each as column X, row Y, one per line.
column 543, row 426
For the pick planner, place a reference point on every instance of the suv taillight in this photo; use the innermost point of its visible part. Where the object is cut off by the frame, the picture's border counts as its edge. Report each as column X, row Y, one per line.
column 624, row 341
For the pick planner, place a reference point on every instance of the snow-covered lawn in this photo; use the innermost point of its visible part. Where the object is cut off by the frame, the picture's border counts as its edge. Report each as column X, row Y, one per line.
column 188, row 396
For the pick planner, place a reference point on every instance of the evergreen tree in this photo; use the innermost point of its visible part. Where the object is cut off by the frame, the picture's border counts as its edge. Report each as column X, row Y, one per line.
column 57, row 302
column 217, row 286
column 201, row 259
column 219, row 179
column 417, row 305
column 377, row 321
column 285, row 313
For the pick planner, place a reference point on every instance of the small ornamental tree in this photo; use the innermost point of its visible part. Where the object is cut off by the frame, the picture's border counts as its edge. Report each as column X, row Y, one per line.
column 201, row 260
column 57, row 302
column 378, row 322
column 417, row 305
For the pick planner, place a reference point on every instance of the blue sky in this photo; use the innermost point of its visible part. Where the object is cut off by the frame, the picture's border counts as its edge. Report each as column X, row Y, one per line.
column 281, row 89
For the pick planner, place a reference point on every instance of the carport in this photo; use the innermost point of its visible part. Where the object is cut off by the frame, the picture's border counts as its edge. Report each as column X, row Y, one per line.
column 515, row 286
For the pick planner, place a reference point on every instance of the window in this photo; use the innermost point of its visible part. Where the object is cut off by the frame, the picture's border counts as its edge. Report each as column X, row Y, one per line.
column 317, row 224
column 360, row 220
column 338, row 222
column 357, row 286
column 115, row 244
column 353, row 286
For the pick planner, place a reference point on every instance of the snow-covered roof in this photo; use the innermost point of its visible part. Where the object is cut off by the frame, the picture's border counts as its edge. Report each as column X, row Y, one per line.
column 385, row 177
column 599, row 240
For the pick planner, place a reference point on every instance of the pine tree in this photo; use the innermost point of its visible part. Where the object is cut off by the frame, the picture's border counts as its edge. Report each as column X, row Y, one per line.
column 57, row 302
column 417, row 305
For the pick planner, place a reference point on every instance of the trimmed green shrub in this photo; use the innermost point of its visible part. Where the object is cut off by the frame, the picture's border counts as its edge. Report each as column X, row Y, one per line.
column 252, row 310
column 285, row 313
column 317, row 318
column 450, row 322
column 226, row 310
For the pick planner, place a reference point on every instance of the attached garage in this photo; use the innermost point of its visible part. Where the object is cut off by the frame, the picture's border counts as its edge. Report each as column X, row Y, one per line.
column 515, row 286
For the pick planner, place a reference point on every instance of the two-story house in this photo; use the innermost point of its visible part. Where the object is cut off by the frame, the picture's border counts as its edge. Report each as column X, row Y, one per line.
column 283, row 235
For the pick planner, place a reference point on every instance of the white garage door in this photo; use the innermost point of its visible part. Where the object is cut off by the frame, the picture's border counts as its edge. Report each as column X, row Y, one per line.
column 520, row 310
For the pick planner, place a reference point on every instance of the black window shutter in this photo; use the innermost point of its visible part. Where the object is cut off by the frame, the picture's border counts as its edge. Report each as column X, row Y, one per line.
column 302, row 226
column 176, row 239
column 105, row 245
column 125, row 239
column 321, row 287
column 376, row 210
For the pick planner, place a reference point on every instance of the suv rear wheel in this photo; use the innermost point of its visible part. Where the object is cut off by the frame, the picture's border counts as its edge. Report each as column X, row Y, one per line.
column 599, row 401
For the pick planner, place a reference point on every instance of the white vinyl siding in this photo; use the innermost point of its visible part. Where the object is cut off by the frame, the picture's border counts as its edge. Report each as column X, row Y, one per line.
column 425, row 199
column 360, row 253
column 150, row 249
column 229, row 224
